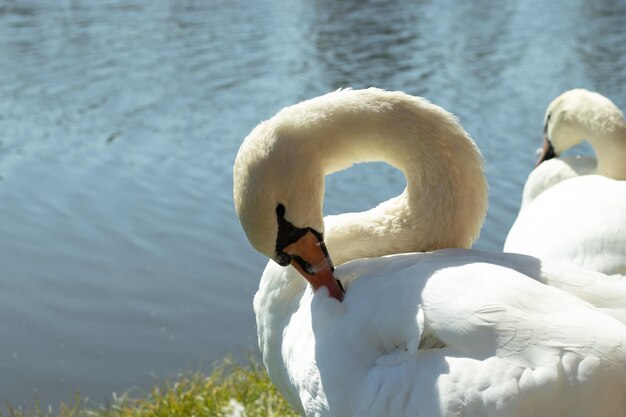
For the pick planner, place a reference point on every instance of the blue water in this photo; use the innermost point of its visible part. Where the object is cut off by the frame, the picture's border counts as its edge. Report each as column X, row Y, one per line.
column 121, row 259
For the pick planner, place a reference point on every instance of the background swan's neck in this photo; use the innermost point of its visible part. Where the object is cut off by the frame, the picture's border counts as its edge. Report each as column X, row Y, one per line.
column 445, row 200
column 611, row 152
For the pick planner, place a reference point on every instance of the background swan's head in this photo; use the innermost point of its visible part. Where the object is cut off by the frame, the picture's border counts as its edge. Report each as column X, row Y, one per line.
column 574, row 116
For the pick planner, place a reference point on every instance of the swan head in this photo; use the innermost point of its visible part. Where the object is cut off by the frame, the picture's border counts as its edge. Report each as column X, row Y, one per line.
column 279, row 198
column 574, row 116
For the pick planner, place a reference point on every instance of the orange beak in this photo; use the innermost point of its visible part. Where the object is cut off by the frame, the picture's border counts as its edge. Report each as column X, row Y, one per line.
column 310, row 257
column 547, row 152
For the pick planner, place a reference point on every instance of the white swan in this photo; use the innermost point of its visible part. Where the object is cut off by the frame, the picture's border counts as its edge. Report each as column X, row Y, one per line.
column 575, row 210
column 512, row 346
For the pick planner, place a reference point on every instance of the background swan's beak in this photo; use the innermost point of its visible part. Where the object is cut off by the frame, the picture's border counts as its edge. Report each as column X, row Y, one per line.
column 547, row 152
column 310, row 257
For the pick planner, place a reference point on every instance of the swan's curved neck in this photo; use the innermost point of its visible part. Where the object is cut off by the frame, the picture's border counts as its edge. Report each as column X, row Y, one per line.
column 445, row 199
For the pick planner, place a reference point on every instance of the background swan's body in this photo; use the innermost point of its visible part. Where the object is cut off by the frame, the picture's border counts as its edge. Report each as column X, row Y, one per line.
column 581, row 220
column 513, row 346
column 551, row 172
column 574, row 209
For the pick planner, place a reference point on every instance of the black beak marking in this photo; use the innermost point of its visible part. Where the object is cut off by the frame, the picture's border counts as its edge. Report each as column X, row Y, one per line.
column 288, row 234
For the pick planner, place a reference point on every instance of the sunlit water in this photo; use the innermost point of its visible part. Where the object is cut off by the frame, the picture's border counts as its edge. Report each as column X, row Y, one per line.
column 121, row 258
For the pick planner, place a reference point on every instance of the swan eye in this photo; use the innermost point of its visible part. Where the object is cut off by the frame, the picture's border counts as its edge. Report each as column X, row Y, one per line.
column 280, row 211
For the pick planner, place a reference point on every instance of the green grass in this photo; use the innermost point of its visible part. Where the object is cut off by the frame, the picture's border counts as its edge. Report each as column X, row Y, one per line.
column 192, row 395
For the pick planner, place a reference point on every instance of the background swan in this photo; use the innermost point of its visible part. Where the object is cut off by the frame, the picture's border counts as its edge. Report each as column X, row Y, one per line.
column 567, row 215
column 513, row 346
column 572, row 117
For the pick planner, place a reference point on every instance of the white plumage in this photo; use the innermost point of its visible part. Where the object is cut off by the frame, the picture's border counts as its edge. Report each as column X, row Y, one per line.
column 514, row 347
column 453, row 332
column 574, row 209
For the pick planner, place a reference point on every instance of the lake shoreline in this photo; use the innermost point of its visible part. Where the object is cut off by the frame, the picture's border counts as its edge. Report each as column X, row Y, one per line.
column 230, row 389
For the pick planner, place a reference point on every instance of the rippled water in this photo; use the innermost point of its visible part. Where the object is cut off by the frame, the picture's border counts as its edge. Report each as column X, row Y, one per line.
column 121, row 259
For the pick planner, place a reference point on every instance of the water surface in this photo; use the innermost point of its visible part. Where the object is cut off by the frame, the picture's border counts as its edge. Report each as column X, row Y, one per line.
column 121, row 259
